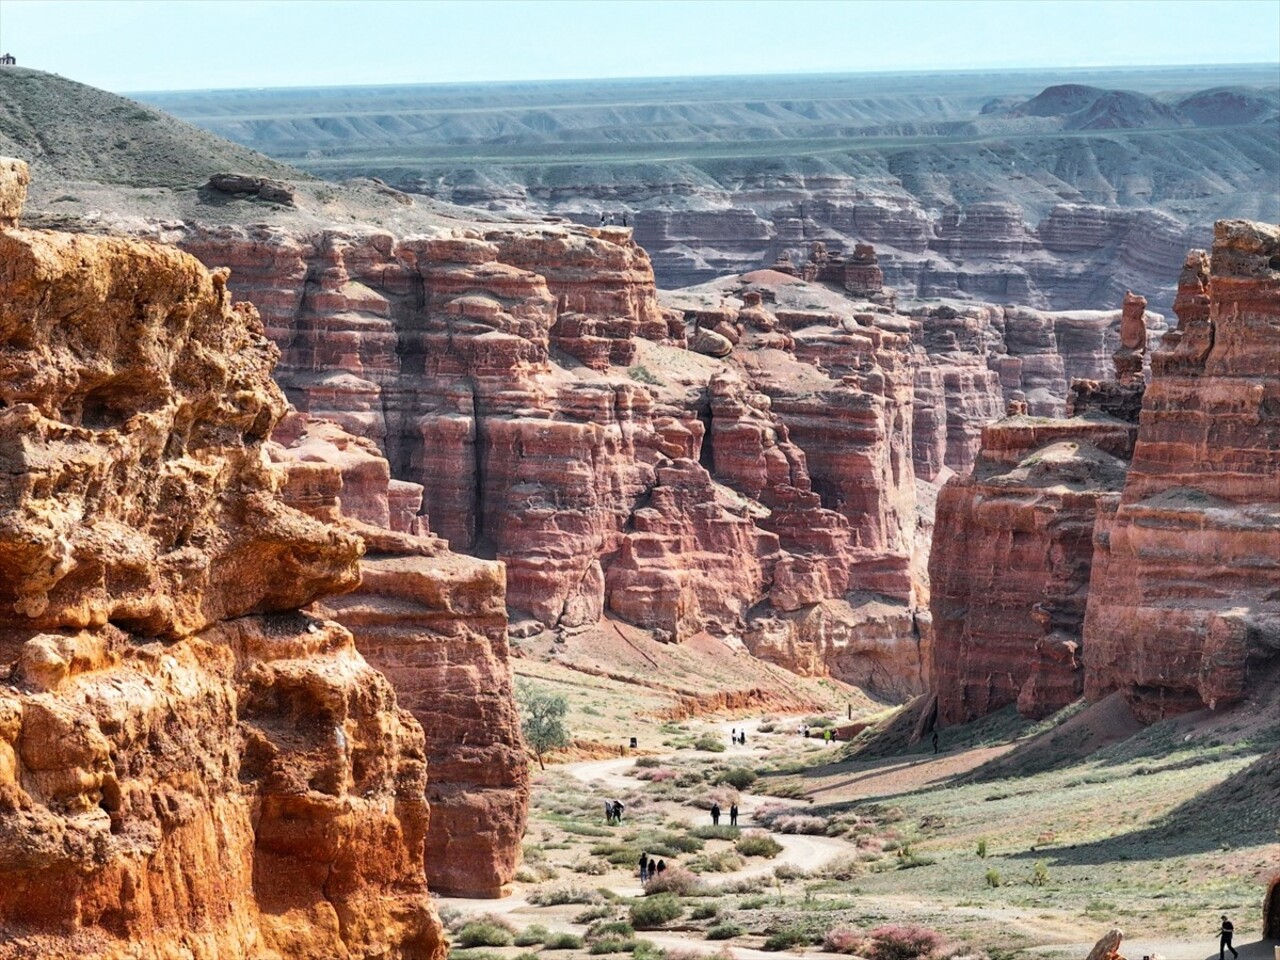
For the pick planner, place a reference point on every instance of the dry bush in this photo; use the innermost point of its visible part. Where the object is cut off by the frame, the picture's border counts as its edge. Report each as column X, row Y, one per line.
column 677, row 880
column 904, row 941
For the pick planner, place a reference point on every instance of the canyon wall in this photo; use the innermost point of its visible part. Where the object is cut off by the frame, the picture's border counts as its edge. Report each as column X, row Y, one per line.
column 1132, row 546
column 1185, row 597
column 186, row 759
column 435, row 623
column 558, row 419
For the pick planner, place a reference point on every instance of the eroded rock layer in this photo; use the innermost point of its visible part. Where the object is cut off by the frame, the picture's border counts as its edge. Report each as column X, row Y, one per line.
column 186, row 761
column 435, row 623
column 1185, row 595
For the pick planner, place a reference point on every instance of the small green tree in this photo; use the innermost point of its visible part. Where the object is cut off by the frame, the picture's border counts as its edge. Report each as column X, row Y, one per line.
column 543, row 724
column 982, row 848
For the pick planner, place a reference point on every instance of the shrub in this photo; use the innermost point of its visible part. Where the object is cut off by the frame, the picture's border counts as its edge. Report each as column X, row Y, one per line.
column 653, row 912
column 531, row 935
column 753, row 903
column 818, row 723
column 586, row 830
column 705, row 911
column 844, row 939
column 591, row 866
column 707, row 831
column 661, row 775
column 724, row 861
column 643, row 762
column 611, row 929
column 801, row 823
column 1040, row 874
column 738, row 777
column 593, row 913
column 757, row 843
column 484, row 932
column 725, row 930
column 785, row 939
column 641, row 374
column 710, row 742
column 903, row 941
column 675, row 880
column 556, row 896
column 982, row 848
column 613, row 946
column 789, row 871
column 993, row 877
column 563, row 941
column 677, row 842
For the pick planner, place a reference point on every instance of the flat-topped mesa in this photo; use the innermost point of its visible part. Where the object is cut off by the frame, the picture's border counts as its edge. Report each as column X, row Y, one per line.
column 1185, row 595
column 186, row 760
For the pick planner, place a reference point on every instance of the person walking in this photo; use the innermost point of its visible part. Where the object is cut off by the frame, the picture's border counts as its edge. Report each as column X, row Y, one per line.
column 1224, row 939
column 608, row 812
column 644, row 867
column 617, row 811
column 662, row 865
column 715, row 814
column 733, row 815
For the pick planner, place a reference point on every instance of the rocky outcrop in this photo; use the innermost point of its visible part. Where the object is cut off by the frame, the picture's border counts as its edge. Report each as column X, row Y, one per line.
column 1009, row 570
column 186, row 760
column 435, row 623
column 1059, row 567
column 1183, row 601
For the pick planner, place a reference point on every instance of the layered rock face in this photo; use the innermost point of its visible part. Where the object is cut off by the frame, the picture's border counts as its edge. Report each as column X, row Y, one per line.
column 435, row 623
column 1157, row 577
column 1011, row 559
column 558, row 423
column 1185, row 595
column 186, row 761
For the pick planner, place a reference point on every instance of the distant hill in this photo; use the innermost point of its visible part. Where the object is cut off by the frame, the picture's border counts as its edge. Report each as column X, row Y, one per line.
column 1082, row 107
column 71, row 131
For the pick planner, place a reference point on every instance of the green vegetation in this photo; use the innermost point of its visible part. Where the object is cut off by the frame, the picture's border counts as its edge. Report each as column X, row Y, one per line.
column 543, row 721
column 653, row 912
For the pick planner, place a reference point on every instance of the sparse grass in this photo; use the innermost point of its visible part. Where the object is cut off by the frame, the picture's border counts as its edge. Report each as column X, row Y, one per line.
column 557, row 896
column 484, row 932
column 725, row 930
column 654, row 911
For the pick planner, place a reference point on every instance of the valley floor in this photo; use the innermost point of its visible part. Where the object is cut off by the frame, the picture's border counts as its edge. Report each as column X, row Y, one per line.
column 1015, row 839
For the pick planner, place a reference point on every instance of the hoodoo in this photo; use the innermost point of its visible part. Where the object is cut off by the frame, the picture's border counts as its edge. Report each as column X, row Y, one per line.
column 186, row 760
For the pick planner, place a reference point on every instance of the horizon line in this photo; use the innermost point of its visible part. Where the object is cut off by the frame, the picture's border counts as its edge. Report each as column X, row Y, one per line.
column 1120, row 68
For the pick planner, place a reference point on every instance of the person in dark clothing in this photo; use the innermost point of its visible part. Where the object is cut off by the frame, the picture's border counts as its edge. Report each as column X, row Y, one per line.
column 1224, row 939
column 715, row 814
column 624, row 219
column 617, row 811
column 742, row 738
column 644, row 867
column 608, row 812
column 935, row 741
column 662, row 865
column 733, row 815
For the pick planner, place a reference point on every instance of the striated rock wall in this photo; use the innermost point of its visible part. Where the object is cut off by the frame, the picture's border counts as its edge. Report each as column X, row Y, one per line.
column 186, row 761
column 1185, row 596
column 1061, row 568
column 435, row 624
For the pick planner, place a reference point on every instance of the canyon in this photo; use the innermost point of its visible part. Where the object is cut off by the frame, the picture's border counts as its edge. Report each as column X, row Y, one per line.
column 491, row 434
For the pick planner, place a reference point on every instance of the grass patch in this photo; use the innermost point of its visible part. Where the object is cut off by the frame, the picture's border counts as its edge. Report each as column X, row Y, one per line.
column 652, row 912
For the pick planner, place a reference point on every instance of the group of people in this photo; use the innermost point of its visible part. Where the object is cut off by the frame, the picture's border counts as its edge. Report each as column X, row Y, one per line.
column 612, row 812
column 610, row 219
column 715, row 814
column 828, row 735
column 738, row 736
column 650, row 867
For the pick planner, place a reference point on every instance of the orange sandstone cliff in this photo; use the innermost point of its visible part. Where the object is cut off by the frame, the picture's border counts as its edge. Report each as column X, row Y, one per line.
column 186, row 760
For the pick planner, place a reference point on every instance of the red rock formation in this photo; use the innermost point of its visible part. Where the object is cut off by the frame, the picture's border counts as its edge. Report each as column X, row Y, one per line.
column 1185, row 595
column 1009, row 571
column 435, row 623
column 186, row 762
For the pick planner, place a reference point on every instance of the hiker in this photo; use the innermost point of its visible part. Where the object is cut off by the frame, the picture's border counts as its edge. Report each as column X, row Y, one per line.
column 806, row 731
column 733, row 735
column 662, row 865
column 715, row 814
column 608, row 812
column 1224, row 939
column 644, row 867
column 617, row 811
column 624, row 218
column 733, row 814
column 602, row 218
column 826, row 736
column 742, row 738
column 935, row 741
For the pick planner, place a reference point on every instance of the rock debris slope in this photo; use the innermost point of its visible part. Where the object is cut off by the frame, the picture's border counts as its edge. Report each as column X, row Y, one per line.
column 186, row 760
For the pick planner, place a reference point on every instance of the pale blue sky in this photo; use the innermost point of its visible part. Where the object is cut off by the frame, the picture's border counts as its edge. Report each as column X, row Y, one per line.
column 133, row 45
